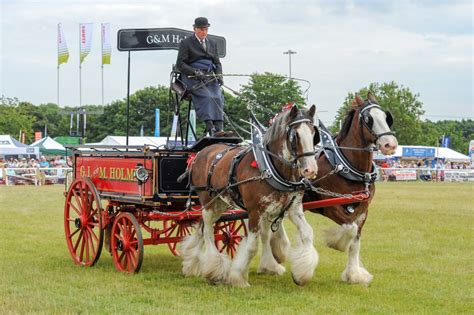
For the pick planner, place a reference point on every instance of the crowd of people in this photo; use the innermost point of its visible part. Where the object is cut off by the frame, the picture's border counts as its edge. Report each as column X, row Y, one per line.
column 42, row 162
column 24, row 170
column 427, row 170
column 440, row 164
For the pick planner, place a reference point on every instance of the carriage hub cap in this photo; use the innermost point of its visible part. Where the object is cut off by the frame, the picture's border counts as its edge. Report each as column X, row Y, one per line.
column 77, row 223
column 119, row 245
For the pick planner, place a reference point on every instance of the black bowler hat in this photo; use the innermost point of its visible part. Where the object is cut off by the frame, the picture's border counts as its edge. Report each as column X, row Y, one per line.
column 201, row 22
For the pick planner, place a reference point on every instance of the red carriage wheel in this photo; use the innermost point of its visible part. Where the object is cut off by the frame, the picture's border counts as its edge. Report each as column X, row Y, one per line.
column 126, row 243
column 229, row 234
column 83, row 222
column 178, row 229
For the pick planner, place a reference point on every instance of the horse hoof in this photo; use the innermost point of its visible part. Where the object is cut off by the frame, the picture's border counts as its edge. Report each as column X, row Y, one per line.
column 296, row 281
column 358, row 276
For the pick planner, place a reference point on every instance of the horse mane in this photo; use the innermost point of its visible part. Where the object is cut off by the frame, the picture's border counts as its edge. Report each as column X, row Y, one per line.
column 346, row 124
column 278, row 127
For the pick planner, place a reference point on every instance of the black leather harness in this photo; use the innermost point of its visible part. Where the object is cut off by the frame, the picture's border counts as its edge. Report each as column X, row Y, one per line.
column 339, row 162
column 265, row 165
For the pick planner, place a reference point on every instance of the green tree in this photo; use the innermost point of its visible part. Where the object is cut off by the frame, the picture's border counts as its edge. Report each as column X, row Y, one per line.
column 266, row 93
column 405, row 107
column 460, row 133
column 113, row 119
column 13, row 119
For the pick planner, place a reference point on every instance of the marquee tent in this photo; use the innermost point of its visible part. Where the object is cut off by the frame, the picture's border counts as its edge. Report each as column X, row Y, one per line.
column 424, row 152
column 49, row 146
column 11, row 146
column 121, row 140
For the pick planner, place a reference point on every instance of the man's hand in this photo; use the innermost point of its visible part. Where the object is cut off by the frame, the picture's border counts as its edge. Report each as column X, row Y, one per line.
column 199, row 75
column 220, row 79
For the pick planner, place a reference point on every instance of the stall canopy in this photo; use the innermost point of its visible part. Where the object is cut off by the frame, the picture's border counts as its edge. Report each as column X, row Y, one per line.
column 49, row 146
column 121, row 140
column 9, row 146
column 424, row 152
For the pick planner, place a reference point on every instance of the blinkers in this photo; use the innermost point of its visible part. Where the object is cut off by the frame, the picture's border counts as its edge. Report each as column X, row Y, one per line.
column 292, row 138
column 368, row 121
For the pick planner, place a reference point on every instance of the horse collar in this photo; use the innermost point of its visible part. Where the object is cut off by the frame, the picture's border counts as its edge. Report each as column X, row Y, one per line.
column 265, row 165
column 338, row 161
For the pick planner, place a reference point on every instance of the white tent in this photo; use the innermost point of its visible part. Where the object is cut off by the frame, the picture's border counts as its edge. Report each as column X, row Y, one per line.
column 121, row 140
column 452, row 156
column 11, row 146
column 425, row 152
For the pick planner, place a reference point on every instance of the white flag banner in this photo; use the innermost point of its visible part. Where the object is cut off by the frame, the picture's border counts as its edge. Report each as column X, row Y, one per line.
column 63, row 52
column 106, row 47
column 85, row 35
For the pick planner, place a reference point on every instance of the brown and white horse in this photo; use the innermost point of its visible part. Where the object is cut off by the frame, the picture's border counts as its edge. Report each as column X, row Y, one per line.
column 290, row 143
column 366, row 125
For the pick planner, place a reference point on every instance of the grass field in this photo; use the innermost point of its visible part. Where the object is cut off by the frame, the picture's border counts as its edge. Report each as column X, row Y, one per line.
column 418, row 243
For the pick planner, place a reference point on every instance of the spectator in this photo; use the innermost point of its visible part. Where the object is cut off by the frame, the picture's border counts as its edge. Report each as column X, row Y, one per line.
column 43, row 162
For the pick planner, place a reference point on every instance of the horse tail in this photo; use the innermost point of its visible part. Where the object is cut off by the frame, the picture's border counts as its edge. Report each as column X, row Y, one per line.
column 189, row 167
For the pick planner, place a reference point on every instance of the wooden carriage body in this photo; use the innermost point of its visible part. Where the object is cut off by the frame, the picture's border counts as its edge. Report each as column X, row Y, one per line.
column 125, row 197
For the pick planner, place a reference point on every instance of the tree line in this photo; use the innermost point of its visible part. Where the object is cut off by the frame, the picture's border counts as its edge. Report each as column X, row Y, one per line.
column 264, row 94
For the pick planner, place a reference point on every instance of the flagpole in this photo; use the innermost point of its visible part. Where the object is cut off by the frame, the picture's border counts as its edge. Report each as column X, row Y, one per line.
column 57, row 40
column 80, row 69
column 58, row 87
column 102, row 59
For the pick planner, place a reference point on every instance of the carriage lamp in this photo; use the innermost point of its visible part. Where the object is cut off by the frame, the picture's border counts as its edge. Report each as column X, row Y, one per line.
column 141, row 173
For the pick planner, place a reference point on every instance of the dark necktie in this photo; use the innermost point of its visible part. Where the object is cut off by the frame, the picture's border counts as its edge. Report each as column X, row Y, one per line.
column 203, row 43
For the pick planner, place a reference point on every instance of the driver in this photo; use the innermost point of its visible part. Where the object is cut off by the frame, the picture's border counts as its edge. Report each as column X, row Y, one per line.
column 198, row 61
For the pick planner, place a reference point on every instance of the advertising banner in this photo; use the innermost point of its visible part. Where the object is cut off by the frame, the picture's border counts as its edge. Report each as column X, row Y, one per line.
column 63, row 52
column 471, row 150
column 106, row 47
column 85, row 35
column 418, row 152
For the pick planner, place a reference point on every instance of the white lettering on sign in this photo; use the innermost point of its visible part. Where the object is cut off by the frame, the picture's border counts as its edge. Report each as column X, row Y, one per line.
column 162, row 39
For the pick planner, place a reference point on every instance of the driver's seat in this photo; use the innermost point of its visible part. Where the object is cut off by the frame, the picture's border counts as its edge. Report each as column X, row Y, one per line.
column 178, row 86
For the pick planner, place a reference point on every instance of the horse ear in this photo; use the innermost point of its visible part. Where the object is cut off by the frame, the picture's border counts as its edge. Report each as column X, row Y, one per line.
column 294, row 111
column 371, row 97
column 312, row 111
column 358, row 100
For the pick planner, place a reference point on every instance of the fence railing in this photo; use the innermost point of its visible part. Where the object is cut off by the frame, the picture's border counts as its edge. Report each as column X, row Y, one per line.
column 426, row 174
column 34, row 176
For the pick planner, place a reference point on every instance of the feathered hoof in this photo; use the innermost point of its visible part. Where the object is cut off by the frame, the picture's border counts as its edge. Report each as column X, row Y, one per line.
column 277, row 270
column 237, row 280
column 296, row 281
column 357, row 276
column 304, row 262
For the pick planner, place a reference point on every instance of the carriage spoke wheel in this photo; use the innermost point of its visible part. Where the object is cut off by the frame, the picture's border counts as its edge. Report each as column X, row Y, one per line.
column 229, row 234
column 178, row 229
column 127, row 243
column 83, row 222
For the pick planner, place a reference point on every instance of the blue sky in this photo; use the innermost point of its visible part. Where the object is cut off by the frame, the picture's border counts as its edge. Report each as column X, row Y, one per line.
column 341, row 46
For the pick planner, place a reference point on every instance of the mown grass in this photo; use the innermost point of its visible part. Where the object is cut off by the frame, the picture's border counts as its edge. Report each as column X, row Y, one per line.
column 417, row 242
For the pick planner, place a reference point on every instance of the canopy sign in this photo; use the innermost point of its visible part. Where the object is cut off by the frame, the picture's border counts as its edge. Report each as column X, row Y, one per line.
column 418, row 152
column 159, row 39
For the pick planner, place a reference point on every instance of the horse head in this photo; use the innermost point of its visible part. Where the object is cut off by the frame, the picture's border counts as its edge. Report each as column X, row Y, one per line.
column 376, row 124
column 293, row 133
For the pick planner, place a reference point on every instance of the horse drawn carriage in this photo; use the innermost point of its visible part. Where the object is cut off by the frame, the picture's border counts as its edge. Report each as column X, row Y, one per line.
column 125, row 197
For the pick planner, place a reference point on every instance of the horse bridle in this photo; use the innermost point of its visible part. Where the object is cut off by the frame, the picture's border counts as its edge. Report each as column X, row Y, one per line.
column 291, row 137
column 368, row 121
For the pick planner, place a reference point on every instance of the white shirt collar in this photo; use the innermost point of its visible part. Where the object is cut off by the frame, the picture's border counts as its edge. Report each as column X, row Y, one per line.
column 198, row 38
